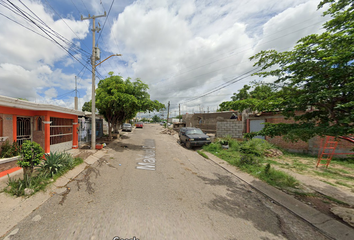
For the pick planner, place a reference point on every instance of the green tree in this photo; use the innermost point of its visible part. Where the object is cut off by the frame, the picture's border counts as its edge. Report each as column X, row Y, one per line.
column 156, row 119
column 242, row 94
column 31, row 156
column 119, row 100
column 253, row 100
column 87, row 106
column 315, row 78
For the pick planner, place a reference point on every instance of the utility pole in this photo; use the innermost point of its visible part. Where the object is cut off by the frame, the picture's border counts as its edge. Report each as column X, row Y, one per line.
column 179, row 108
column 168, row 112
column 93, row 62
column 76, row 100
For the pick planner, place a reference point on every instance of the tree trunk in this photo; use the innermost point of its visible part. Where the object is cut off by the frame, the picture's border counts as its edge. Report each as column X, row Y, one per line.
column 110, row 130
column 27, row 173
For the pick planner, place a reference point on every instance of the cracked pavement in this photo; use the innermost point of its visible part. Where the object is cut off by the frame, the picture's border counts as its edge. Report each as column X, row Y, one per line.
column 184, row 197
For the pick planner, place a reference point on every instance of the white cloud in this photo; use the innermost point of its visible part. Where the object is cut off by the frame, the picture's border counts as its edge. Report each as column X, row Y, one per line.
column 51, row 93
column 182, row 49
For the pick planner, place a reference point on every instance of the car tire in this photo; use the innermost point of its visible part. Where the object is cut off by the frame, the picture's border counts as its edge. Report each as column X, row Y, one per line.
column 188, row 145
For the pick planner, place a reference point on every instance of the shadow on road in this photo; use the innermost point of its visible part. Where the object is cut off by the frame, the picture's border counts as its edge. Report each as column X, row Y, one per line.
column 241, row 202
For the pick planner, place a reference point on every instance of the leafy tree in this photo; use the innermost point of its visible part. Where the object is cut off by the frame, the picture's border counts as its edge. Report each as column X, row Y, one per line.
column 253, row 100
column 315, row 79
column 31, row 156
column 87, row 106
column 119, row 100
column 156, row 119
column 242, row 94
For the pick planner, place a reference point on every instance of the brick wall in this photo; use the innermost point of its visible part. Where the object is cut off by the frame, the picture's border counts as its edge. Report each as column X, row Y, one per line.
column 38, row 133
column 8, row 165
column 311, row 146
column 230, row 127
column 7, row 127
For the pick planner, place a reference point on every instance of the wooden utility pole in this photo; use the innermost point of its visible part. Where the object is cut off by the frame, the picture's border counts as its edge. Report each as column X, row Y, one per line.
column 168, row 112
column 93, row 63
column 76, row 100
column 179, row 115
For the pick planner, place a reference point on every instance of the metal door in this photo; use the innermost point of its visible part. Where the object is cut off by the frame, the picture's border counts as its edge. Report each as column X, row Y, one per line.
column 257, row 125
column 24, row 129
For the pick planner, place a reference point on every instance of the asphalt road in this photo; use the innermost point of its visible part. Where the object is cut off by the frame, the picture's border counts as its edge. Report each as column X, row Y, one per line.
column 147, row 186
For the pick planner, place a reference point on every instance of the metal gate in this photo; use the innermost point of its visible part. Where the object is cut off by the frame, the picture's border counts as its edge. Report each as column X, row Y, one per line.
column 257, row 125
column 24, row 130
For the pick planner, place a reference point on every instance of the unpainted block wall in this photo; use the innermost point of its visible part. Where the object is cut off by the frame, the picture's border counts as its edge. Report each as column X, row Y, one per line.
column 230, row 127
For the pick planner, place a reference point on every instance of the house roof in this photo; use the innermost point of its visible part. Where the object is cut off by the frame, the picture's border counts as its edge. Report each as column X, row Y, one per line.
column 22, row 104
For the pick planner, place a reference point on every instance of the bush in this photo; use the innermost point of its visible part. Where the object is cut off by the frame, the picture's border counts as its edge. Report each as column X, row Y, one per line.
column 248, row 159
column 31, row 156
column 213, row 147
column 255, row 146
column 7, row 150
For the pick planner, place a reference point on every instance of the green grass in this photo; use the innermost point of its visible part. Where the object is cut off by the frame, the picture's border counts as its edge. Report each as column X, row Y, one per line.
column 329, row 183
column 268, row 160
column 39, row 180
column 202, row 154
column 335, row 200
column 249, row 159
column 344, row 184
column 299, row 166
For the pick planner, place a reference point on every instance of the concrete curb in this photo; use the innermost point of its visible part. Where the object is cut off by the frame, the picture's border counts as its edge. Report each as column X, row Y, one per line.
column 328, row 226
column 13, row 209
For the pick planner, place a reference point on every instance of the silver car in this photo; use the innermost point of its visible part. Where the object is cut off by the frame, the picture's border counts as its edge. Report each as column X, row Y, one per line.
column 127, row 127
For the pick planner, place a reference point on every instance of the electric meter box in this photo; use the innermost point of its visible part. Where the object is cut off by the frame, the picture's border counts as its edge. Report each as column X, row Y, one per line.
column 97, row 53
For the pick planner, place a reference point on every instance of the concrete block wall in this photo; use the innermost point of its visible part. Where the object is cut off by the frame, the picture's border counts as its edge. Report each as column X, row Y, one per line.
column 230, row 127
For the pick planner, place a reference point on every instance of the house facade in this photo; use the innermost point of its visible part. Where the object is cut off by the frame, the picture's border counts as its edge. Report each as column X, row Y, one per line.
column 54, row 128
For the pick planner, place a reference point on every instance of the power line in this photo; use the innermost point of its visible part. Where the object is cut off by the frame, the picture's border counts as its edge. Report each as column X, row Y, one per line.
column 63, row 20
column 99, row 36
column 29, row 19
column 232, row 81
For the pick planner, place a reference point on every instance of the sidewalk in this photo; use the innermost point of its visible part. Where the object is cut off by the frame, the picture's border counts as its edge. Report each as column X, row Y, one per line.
column 14, row 209
column 325, row 224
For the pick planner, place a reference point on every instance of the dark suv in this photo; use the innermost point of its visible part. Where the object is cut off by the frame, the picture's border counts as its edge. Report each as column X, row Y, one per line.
column 192, row 137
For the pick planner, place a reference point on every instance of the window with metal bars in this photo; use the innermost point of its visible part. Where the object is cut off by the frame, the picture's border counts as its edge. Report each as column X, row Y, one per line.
column 61, row 130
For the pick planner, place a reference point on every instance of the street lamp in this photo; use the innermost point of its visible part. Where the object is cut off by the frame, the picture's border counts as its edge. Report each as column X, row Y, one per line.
column 93, row 109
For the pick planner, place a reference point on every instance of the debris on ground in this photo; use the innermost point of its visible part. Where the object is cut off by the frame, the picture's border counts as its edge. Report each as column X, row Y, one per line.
column 346, row 214
column 273, row 153
column 168, row 131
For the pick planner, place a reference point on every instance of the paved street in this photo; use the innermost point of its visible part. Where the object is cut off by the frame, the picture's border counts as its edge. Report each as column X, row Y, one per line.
column 150, row 187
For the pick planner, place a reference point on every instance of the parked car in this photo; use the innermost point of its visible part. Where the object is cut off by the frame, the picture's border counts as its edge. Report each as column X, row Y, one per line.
column 127, row 127
column 192, row 137
column 139, row 125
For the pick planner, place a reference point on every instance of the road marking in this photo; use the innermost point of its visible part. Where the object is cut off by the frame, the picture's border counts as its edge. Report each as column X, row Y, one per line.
column 149, row 158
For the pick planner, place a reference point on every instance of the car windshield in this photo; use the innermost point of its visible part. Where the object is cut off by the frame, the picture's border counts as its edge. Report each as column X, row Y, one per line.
column 139, row 123
column 194, row 131
column 127, row 125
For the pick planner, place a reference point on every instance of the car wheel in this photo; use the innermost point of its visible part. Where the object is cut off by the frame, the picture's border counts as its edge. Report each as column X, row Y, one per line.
column 188, row 145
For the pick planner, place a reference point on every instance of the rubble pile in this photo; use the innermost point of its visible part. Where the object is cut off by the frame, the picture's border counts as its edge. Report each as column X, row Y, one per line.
column 273, row 153
column 168, row 131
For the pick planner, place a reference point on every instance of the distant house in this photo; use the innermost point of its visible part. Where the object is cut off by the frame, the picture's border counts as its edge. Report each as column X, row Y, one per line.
column 53, row 127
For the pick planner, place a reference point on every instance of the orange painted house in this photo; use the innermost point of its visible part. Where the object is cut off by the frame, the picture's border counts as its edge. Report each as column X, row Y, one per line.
column 54, row 128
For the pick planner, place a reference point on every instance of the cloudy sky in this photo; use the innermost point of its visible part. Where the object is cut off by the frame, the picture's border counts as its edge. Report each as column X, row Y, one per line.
column 190, row 52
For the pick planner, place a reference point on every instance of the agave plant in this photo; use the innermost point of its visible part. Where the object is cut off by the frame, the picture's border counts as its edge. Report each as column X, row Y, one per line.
column 53, row 163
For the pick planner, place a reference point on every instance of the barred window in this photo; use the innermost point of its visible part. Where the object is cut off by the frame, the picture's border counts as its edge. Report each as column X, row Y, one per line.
column 61, row 130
